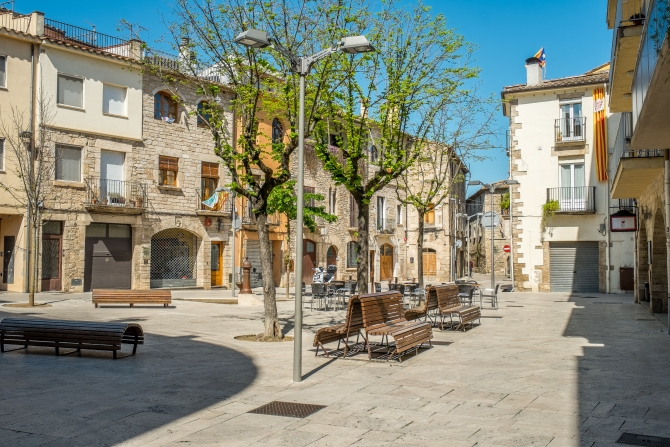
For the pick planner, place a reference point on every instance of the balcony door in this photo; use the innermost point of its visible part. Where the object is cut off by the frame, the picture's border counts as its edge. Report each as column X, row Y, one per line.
column 381, row 213
column 573, row 187
column 111, row 177
column 572, row 127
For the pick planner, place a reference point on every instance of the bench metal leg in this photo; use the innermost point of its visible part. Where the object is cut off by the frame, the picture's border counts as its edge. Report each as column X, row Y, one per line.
column 135, row 345
column 114, row 354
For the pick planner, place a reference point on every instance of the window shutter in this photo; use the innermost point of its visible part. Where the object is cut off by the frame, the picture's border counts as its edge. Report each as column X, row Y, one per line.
column 210, row 169
column 168, row 163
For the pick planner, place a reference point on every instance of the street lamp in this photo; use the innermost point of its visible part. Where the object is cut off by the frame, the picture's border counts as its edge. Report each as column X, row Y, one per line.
column 510, row 183
column 469, row 218
column 492, row 190
column 301, row 65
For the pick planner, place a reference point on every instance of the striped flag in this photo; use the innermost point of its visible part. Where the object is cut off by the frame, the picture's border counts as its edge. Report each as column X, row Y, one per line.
column 542, row 57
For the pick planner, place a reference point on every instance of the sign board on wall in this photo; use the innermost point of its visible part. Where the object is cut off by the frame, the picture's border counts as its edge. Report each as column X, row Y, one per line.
column 623, row 221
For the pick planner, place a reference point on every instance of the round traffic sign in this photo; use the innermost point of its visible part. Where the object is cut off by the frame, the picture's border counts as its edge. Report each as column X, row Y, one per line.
column 459, row 243
column 507, row 248
column 490, row 219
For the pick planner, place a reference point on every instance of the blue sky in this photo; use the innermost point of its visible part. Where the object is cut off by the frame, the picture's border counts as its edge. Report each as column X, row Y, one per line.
column 573, row 33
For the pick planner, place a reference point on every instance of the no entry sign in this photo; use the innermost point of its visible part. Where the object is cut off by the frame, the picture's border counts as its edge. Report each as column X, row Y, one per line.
column 507, row 248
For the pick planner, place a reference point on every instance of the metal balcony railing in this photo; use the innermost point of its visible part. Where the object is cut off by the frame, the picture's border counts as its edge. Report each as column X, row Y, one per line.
column 385, row 225
column 248, row 217
column 87, row 38
column 105, row 192
column 574, row 199
column 628, row 13
column 622, row 148
column 158, row 59
column 570, row 129
column 201, row 196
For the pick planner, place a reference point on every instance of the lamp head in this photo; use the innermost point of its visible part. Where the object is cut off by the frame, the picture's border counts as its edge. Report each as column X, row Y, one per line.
column 355, row 45
column 474, row 183
column 253, row 38
column 512, row 182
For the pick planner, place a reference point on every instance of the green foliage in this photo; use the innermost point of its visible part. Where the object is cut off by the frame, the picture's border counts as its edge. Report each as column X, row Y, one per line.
column 504, row 201
column 283, row 200
column 548, row 209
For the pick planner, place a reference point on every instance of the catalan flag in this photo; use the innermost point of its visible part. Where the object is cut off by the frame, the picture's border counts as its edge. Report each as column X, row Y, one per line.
column 542, row 57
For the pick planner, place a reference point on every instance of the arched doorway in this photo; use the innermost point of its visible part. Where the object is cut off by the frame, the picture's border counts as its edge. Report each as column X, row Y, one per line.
column 429, row 262
column 174, row 259
column 659, row 272
column 331, row 256
column 386, row 262
column 642, row 263
column 308, row 260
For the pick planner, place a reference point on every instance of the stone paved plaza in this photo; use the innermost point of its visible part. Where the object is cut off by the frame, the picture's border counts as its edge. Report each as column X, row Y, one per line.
column 544, row 370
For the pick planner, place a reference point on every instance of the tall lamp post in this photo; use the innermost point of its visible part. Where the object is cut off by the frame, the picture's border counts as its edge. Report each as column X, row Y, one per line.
column 492, row 191
column 469, row 218
column 301, row 65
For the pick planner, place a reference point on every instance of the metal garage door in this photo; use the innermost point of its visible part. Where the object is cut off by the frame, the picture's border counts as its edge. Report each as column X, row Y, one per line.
column 108, row 256
column 574, row 267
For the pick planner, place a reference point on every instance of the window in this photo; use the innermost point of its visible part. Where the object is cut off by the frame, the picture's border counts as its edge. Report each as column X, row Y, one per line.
column 309, row 190
column 3, row 71
column 399, row 214
column 572, row 122
column 2, row 155
column 52, row 227
column 165, row 108
column 352, row 254
column 573, row 191
column 114, row 100
column 68, row 163
column 70, row 91
column 332, row 201
column 353, row 212
column 168, row 167
column 277, row 131
column 381, row 212
column 374, row 153
column 429, row 217
column 204, row 115
column 334, row 140
column 209, row 179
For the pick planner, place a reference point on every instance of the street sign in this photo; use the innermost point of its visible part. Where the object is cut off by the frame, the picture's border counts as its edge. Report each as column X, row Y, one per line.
column 490, row 220
column 459, row 243
column 507, row 248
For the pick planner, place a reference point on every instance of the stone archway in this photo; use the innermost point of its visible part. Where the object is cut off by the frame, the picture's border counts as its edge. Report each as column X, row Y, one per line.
column 642, row 263
column 174, row 255
column 659, row 271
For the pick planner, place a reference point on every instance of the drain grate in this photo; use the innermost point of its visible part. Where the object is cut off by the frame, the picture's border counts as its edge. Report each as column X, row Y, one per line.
column 492, row 316
column 646, row 319
column 287, row 409
column 606, row 302
column 441, row 343
column 513, row 306
column 649, row 441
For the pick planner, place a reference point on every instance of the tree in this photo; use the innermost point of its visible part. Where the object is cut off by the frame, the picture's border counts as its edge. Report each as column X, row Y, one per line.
column 461, row 131
column 32, row 161
column 283, row 201
column 389, row 98
column 262, row 84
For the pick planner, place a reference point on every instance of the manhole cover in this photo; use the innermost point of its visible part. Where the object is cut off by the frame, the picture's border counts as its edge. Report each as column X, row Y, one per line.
column 287, row 409
column 649, row 441
column 441, row 343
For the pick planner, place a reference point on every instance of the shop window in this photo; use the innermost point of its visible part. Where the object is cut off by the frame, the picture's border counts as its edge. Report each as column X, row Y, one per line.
column 168, row 168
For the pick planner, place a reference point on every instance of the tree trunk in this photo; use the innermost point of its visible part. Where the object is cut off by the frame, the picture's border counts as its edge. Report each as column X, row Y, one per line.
column 363, row 251
column 32, row 272
column 272, row 328
column 287, row 256
column 419, row 250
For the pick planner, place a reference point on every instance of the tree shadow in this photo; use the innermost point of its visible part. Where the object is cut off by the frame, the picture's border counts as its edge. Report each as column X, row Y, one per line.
column 91, row 399
column 622, row 381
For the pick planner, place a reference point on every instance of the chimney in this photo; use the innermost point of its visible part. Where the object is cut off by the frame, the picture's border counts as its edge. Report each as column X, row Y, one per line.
column 533, row 71
column 185, row 56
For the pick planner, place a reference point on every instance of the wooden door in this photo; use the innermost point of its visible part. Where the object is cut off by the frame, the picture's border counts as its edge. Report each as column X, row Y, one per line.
column 386, row 262
column 429, row 262
column 217, row 263
column 51, row 262
column 308, row 260
column 8, row 260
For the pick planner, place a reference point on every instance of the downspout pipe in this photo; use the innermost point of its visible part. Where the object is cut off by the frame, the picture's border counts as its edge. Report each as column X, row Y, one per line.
column 667, row 216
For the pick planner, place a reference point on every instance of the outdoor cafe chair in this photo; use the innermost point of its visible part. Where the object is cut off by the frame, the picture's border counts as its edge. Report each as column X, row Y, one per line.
column 319, row 293
column 490, row 293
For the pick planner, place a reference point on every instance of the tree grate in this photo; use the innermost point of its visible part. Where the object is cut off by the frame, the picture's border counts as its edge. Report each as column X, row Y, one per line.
column 287, row 409
column 649, row 441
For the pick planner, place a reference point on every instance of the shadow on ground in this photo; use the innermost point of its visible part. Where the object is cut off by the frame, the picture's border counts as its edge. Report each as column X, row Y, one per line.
column 623, row 374
column 93, row 400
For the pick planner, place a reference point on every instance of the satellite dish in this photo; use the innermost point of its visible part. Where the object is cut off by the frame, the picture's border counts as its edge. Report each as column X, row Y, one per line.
column 490, row 220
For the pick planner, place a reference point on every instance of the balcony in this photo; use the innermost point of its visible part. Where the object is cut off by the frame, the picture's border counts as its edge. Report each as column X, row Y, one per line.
column 651, row 95
column 568, row 130
column 91, row 39
column 115, row 196
column 573, row 199
column 628, row 24
column 632, row 171
column 385, row 225
column 219, row 209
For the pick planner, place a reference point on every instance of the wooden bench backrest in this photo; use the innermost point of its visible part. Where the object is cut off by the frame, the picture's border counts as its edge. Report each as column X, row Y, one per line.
column 447, row 296
column 383, row 307
column 354, row 315
column 104, row 293
column 431, row 298
column 81, row 328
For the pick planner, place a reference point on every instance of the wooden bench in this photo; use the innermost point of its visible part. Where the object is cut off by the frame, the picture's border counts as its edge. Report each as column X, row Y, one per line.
column 425, row 309
column 110, row 296
column 341, row 332
column 76, row 335
column 383, row 315
column 449, row 304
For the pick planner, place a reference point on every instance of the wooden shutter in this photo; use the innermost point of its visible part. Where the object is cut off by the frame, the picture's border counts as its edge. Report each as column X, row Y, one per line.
column 210, row 170
column 168, row 163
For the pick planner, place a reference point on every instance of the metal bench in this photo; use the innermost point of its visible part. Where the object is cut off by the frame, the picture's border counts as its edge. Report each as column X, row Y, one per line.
column 110, row 296
column 63, row 334
column 383, row 315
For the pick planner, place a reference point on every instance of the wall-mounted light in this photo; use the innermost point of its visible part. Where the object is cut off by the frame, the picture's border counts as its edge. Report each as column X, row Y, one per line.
column 645, row 212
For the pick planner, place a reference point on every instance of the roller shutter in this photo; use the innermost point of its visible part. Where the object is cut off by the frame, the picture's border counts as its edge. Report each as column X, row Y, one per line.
column 574, row 267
